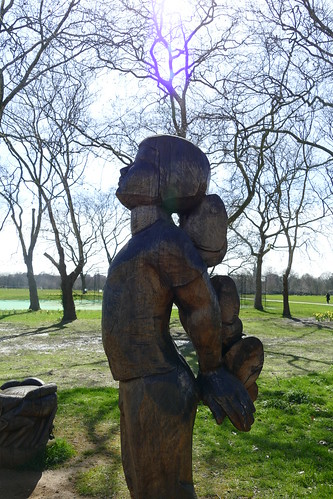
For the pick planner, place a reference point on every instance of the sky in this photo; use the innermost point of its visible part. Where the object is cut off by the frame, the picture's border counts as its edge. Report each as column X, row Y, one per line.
column 315, row 264
column 11, row 260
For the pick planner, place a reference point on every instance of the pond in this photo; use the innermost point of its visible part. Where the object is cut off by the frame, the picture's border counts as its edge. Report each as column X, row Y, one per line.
column 49, row 305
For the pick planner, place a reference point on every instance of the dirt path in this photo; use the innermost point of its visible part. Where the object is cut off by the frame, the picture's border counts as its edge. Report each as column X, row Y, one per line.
column 37, row 485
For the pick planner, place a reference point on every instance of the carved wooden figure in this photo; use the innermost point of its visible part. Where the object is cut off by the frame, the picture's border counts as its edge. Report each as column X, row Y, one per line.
column 160, row 266
column 242, row 357
column 27, row 411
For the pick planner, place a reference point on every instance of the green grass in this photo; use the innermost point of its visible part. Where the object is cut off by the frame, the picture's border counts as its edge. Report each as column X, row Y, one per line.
column 92, row 421
column 292, row 298
column 45, row 294
column 23, row 294
column 43, row 317
column 50, row 317
column 287, row 454
column 300, row 306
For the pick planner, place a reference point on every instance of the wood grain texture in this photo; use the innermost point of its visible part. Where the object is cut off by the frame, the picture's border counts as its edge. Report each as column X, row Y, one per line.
column 27, row 411
column 161, row 265
column 167, row 171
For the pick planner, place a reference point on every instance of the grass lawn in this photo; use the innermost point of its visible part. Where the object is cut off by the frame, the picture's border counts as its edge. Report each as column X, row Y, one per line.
column 287, row 454
column 300, row 306
column 45, row 294
column 23, row 294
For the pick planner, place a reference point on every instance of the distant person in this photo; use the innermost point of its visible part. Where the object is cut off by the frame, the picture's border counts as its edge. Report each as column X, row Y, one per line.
column 328, row 297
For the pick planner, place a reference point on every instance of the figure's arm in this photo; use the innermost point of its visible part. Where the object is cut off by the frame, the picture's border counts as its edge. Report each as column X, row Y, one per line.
column 200, row 315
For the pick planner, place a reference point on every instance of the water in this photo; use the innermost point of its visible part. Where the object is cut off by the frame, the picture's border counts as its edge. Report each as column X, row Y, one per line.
column 49, row 305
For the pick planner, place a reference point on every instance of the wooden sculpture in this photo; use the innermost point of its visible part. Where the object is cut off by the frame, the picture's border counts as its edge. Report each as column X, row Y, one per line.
column 27, row 411
column 163, row 264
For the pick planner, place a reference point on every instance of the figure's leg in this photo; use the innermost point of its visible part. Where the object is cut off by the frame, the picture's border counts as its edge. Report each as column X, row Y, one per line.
column 157, row 418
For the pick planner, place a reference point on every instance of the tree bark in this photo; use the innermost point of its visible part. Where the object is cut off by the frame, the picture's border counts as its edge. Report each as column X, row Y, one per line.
column 69, row 312
column 258, row 293
column 83, row 283
column 285, row 292
column 33, row 293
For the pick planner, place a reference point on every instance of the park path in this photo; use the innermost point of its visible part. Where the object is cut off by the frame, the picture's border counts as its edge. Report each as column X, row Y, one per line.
column 292, row 301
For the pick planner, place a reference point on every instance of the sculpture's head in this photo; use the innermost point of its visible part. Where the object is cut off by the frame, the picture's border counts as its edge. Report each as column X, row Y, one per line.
column 206, row 225
column 168, row 171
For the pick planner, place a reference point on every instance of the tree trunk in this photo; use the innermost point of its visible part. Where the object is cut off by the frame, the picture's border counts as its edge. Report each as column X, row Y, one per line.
column 258, row 292
column 285, row 292
column 33, row 293
column 69, row 312
column 83, row 283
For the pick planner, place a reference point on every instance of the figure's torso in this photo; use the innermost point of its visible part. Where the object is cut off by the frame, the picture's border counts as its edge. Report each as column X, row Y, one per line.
column 138, row 298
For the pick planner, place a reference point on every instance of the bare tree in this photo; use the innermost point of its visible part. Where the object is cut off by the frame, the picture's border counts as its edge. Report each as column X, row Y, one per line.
column 109, row 220
column 35, row 39
column 164, row 49
column 76, row 232
column 233, row 79
column 297, row 35
column 23, row 180
column 186, row 62
column 50, row 136
column 297, row 205
column 259, row 234
column 12, row 192
column 235, row 88
column 68, row 162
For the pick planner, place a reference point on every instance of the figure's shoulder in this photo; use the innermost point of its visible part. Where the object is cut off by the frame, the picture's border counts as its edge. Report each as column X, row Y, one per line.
column 170, row 237
column 163, row 244
column 173, row 232
column 161, row 231
column 178, row 258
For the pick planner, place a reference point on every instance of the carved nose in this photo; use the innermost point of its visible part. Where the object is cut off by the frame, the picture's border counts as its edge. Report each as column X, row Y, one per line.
column 124, row 170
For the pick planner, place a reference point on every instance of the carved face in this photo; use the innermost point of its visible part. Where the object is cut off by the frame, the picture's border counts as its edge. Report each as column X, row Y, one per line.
column 167, row 171
column 206, row 225
column 139, row 182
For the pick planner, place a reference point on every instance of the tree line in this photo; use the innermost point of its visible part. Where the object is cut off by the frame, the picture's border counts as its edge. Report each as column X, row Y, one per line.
column 272, row 284
column 19, row 280
column 81, row 84
column 245, row 282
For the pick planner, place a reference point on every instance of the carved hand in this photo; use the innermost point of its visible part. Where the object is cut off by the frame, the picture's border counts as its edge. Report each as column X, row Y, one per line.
column 225, row 395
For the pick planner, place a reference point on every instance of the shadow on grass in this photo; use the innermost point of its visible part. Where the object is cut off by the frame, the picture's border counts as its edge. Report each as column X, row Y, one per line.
column 298, row 362
column 312, row 322
column 58, row 326
column 5, row 314
column 99, row 421
column 96, row 406
column 97, row 363
column 289, row 445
